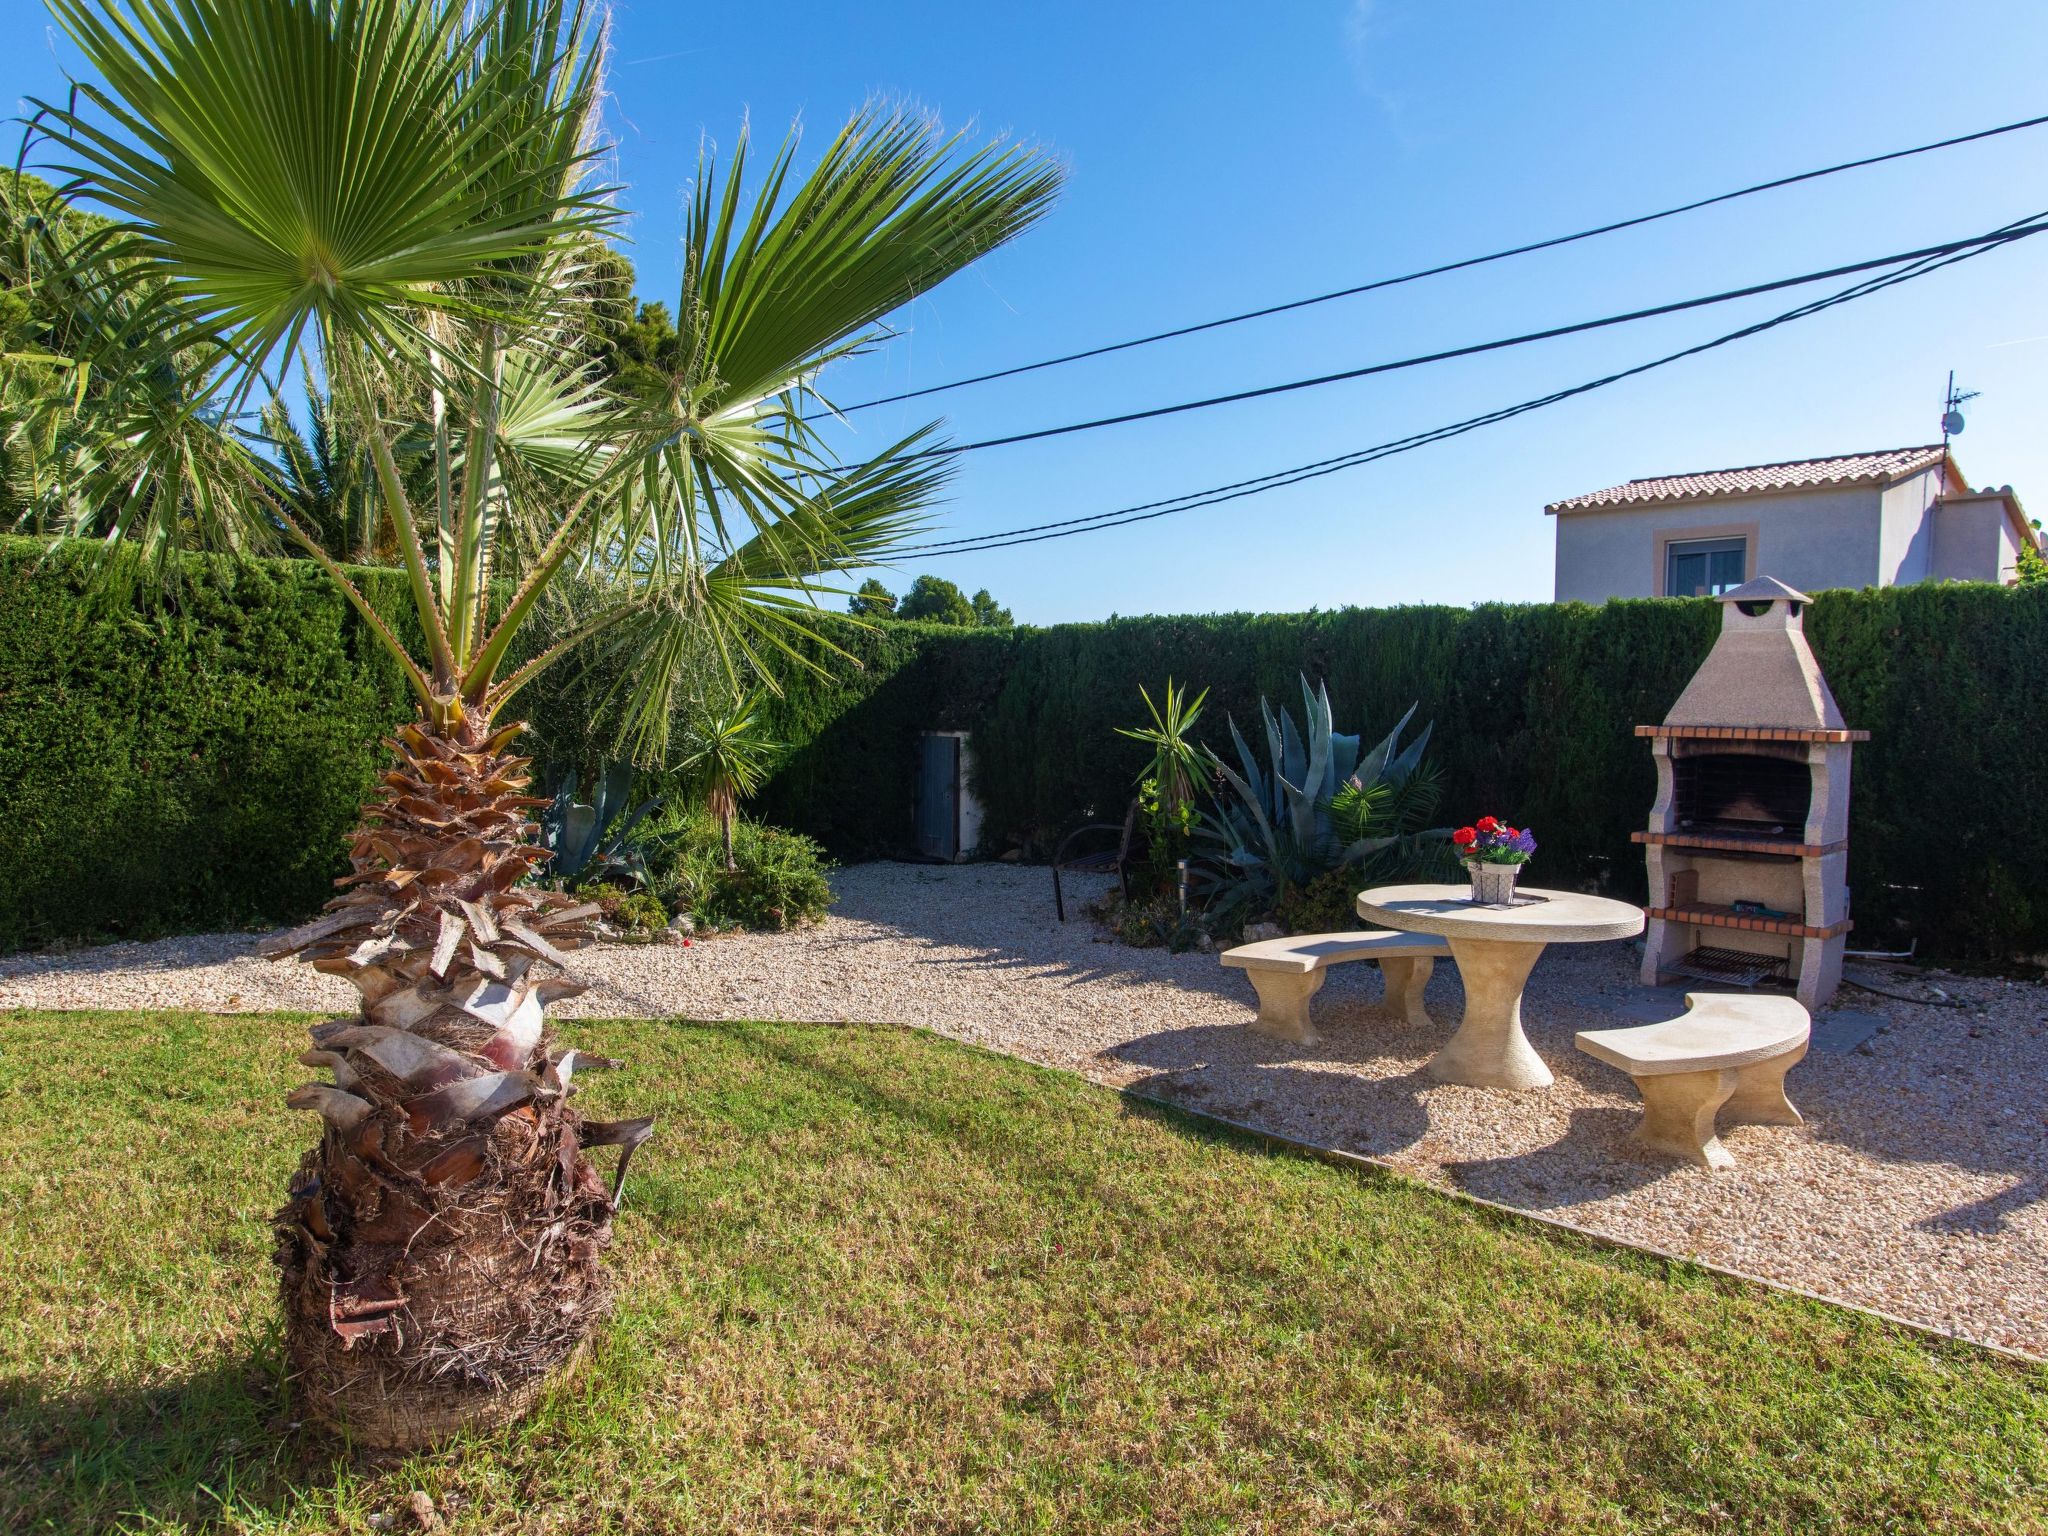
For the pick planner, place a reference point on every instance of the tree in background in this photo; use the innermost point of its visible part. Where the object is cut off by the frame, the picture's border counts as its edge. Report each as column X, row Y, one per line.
column 633, row 344
column 2033, row 569
column 872, row 601
column 988, row 615
column 402, row 193
column 327, row 475
column 935, row 600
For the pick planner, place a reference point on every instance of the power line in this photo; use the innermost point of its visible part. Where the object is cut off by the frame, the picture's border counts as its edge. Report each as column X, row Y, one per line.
column 1526, row 338
column 1195, row 500
column 1452, row 266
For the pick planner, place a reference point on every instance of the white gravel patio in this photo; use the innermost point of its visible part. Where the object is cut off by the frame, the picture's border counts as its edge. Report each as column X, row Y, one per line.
column 1916, row 1187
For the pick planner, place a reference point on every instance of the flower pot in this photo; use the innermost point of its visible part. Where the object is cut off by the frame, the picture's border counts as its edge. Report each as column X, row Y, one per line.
column 1493, row 885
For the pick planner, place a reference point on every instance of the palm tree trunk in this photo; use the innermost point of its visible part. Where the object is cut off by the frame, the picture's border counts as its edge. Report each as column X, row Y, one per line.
column 440, row 1249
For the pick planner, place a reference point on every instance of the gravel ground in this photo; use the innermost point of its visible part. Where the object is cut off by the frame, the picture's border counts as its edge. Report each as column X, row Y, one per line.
column 1916, row 1186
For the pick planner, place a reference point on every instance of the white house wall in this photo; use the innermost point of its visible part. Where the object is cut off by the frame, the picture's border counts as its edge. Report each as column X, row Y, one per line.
column 1907, row 546
column 1974, row 541
column 1809, row 539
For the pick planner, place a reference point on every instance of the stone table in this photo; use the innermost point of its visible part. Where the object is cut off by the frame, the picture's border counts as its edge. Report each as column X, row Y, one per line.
column 1496, row 948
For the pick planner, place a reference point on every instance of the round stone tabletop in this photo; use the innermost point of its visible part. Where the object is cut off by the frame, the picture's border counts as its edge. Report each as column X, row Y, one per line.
column 1537, row 917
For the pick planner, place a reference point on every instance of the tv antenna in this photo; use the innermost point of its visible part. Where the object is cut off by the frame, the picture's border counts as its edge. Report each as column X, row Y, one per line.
column 1952, row 409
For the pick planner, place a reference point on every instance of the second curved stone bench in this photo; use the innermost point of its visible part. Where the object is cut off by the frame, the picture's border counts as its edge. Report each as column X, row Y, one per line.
column 1726, row 1055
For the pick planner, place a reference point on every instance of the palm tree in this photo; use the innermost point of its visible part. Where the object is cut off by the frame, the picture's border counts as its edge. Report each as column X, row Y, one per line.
column 404, row 191
column 730, row 756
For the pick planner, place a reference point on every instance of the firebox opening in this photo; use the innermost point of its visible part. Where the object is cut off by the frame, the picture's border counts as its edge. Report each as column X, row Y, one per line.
column 1739, row 794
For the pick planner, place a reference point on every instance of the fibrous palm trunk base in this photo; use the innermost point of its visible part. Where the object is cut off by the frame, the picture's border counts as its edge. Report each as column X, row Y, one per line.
column 441, row 1248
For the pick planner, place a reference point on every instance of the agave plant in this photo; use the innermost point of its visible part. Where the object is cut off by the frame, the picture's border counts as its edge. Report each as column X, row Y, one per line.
column 1318, row 804
column 589, row 841
column 404, row 191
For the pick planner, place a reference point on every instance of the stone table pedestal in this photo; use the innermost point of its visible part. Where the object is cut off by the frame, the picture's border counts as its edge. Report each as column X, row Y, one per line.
column 1496, row 948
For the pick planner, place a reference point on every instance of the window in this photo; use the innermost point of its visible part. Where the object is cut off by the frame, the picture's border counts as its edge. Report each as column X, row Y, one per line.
column 1704, row 567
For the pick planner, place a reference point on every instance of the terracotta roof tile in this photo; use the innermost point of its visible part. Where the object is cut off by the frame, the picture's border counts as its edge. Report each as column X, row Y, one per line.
column 1875, row 468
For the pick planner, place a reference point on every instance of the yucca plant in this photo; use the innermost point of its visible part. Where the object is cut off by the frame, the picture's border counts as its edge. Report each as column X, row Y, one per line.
column 730, row 754
column 1167, row 782
column 1178, row 761
column 402, row 191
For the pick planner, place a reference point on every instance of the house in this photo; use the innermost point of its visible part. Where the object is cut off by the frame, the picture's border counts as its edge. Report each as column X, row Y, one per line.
column 1858, row 520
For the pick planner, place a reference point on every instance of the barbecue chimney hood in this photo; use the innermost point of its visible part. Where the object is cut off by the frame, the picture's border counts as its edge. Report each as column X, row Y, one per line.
column 1761, row 672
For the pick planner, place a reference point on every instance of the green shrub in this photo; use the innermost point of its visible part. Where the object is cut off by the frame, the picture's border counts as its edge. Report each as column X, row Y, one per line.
column 780, row 882
column 1327, row 904
column 634, row 911
column 1149, row 921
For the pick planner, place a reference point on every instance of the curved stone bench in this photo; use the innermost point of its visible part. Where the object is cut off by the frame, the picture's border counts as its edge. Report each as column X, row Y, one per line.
column 1286, row 973
column 1724, row 1055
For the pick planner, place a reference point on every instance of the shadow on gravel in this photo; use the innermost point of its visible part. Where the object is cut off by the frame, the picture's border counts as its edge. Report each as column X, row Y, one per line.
column 1246, row 1076
column 1992, row 1213
column 191, row 950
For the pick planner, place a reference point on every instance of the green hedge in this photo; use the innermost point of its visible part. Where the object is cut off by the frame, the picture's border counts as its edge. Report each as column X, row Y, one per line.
column 190, row 766
column 184, row 766
column 1534, row 709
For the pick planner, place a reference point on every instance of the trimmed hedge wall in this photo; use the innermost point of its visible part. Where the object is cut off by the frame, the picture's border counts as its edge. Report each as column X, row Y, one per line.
column 1534, row 709
column 850, row 727
column 185, row 767
column 196, row 765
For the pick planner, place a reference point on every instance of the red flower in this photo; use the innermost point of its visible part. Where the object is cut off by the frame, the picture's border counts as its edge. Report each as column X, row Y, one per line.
column 1488, row 824
column 1464, row 837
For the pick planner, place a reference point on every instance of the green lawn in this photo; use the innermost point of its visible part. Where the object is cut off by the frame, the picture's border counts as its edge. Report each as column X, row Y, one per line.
column 875, row 1281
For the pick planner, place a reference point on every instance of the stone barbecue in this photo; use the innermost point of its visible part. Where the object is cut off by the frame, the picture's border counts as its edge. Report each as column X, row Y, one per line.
column 1748, row 842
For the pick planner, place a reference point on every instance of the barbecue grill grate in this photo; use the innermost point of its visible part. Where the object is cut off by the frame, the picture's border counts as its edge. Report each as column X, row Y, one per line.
column 1736, row 967
column 1734, row 792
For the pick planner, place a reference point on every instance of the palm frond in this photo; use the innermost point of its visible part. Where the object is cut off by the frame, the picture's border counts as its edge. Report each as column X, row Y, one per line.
column 275, row 166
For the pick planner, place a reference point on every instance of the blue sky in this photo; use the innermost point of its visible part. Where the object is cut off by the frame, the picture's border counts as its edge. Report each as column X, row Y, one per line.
column 1224, row 156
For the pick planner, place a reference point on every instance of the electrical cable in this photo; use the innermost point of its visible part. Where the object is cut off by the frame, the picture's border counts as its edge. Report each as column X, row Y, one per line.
column 1437, row 271
column 1369, row 370
column 1924, row 1002
column 1346, row 460
column 1194, row 500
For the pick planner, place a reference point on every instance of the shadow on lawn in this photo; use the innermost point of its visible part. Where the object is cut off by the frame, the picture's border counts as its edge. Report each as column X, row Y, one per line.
column 215, row 1443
